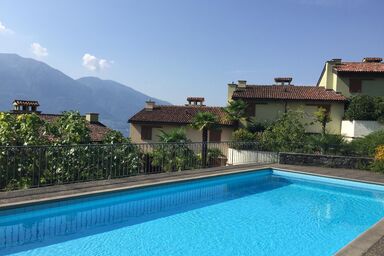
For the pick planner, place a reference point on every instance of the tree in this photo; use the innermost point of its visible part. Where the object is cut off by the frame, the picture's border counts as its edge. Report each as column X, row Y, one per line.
column 322, row 117
column 8, row 132
column 236, row 110
column 204, row 121
column 177, row 135
column 70, row 128
column 173, row 154
column 361, row 107
column 286, row 134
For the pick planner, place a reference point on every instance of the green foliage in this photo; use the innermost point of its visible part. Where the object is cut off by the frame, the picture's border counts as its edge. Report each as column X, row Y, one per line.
column 8, row 132
column 243, row 135
column 367, row 145
column 323, row 118
column 255, row 126
column 326, row 144
column 70, row 128
column 363, row 107
column 236, row 110
column 177, row 135
column 115, row 137
column 287, row 134
column 174, row 157
column 378, row 166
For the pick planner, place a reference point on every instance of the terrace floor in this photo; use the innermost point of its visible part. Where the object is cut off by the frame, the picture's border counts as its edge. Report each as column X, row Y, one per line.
column 370, row 243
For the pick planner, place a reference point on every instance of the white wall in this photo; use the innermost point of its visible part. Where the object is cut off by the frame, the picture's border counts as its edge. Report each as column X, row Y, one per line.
column 358, row 128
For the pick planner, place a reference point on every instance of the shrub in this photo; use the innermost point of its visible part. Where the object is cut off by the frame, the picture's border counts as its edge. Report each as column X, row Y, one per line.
column 286, row 134
column 255, row 126
column 362, row 108
column 378, row 165
column 326, row 144
column 243, row 135
column 367, row 146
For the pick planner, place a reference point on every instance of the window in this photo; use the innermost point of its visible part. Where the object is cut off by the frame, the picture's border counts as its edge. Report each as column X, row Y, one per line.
column 146, row 132
column 251, row 107
column 354, row 85
column 214, row 135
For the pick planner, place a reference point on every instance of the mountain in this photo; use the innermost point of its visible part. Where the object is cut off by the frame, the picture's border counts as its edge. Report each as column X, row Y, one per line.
column 24, row 78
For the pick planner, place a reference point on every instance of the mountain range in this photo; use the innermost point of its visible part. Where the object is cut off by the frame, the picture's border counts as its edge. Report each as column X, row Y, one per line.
column 29, row 79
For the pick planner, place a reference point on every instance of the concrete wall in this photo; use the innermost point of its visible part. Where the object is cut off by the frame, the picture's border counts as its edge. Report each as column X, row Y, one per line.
column 325, row 160
column 236, row 157
column 272, row 110
column 359, row 128
column 192, row 134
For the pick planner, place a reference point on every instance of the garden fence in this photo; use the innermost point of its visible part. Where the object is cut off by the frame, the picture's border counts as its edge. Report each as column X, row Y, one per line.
column 36, row 166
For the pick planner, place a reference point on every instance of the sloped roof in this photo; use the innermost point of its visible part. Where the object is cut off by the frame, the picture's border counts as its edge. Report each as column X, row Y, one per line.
column 177, row 114
column 371, row 67
column 287, row 92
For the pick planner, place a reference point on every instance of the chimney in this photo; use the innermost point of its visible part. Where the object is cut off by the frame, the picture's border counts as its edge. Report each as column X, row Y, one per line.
column 92, row 117
column 149, row 105
column 283, row 80
column 372, row 59
column 195, row 101
column 242, row 84
column 25, row 106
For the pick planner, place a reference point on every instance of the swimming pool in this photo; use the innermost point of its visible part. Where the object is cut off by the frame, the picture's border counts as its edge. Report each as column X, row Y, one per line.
column 268, row 212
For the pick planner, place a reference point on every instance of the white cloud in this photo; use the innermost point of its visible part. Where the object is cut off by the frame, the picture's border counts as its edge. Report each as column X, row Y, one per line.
column 39, row 50
column 93, row 63
column 4, row 29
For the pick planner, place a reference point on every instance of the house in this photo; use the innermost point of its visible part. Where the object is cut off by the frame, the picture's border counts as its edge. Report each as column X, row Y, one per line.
column 97, row 129
column 268, row 102
column 147, row 124
column 354, row 78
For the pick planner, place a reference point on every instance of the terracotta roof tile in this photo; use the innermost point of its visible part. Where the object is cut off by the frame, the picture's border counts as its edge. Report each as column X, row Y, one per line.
column 177, row 114
column 374, row 67
column 287, row 92
column 26, row 102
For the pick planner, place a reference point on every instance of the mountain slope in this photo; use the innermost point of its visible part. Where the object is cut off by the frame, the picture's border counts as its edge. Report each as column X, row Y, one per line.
column 126, row 101
column 23, row 78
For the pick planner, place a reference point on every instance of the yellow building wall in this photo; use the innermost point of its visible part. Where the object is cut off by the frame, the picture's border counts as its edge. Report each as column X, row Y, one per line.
column 192, row 134
column 273, row 110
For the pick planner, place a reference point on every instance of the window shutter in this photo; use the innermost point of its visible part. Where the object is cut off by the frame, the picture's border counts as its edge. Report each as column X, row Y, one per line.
column 146, row 132
column 354, row 85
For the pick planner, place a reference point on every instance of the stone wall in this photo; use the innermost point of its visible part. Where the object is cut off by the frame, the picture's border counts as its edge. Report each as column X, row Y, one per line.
column 325, row 160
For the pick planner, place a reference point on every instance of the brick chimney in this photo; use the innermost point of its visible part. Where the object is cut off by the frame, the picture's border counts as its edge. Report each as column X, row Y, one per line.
column 195, row 101
column 373, row 59
column 149, row 105
column 283, row 80
column 92, row 117
column 25, row 106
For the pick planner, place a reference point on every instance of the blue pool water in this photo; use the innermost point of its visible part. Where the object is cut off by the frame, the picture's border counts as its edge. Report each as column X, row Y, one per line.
column 258, row 213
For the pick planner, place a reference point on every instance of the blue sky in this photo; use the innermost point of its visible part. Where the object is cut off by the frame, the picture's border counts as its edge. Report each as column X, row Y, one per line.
column 172, row 49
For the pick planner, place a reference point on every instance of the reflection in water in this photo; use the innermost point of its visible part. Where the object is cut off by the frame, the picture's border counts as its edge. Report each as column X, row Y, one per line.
column 77, row 218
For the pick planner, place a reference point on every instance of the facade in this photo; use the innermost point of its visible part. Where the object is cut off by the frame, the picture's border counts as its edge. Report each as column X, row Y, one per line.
column 147, row 124
column 268, row 102
column 97, row 129
column 354, row 78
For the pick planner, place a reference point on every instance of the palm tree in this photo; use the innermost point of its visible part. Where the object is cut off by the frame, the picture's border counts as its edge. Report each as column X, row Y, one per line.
column 174, row 136
column 236, row 110
column 204, row 121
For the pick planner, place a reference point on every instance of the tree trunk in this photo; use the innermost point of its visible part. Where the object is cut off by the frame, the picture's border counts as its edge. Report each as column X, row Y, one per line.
column 204, row 148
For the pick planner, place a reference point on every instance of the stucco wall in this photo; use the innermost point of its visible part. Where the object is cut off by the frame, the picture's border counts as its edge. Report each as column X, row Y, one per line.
column 359, row 128
column 270, row 111
column 192, row 134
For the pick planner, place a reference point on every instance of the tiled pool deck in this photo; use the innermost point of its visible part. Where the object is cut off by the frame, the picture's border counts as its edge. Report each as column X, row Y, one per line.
column 370, row 243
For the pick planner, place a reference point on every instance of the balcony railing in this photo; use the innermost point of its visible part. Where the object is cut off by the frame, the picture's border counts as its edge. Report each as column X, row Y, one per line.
column 35, row 166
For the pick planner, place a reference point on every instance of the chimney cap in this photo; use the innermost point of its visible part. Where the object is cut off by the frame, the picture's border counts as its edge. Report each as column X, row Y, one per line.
column 283, row 80
column 336, row 60
column 195, row 99
column 92, row 117
column 373, row 59
column 34, row 103
column 242, row 83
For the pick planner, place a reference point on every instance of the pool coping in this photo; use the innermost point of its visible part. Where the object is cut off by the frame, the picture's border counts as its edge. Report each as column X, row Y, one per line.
column 367, row 242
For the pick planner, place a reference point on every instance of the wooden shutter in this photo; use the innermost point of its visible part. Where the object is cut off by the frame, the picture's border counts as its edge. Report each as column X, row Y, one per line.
column 354, row 85
column 146, row 132
column 214, row 135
